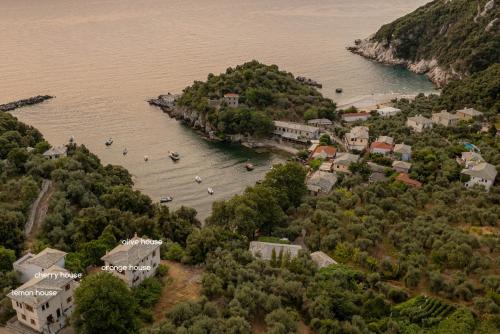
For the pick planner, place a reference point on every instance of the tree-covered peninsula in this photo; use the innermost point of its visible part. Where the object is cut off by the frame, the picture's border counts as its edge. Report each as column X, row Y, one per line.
column 265, row 93
column 445, row 39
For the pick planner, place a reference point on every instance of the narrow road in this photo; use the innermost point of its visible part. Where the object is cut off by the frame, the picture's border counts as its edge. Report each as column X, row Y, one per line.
column 38, row 212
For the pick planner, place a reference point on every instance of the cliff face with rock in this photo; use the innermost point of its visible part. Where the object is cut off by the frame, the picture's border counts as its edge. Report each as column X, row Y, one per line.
column 445, row 39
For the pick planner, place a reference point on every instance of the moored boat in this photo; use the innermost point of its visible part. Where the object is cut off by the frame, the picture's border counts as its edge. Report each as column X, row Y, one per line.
column 249, row 167
column 197, row 179
column 109, row 142
column 210, row 191
column 125, row 151
column 339, row 90
column 166, row 199
column 146, row 158
column 174, row 156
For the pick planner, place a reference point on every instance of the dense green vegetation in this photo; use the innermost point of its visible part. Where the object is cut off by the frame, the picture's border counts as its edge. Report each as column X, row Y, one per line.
column 452, row 32
column 266, row 93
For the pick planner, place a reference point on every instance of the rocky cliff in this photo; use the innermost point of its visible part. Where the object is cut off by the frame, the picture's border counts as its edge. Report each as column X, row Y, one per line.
column 444, row 39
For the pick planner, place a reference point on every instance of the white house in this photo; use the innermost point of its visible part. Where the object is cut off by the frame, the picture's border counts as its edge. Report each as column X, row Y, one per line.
column 133, row 260
column 295, row 131
column 483, row 174
column 45, row 303
column 56, row 152
column 403, row 150
column 30, row 264
column 468, row 114
column 321, row 123
column 419, row 123
column 445, row 118
column 265, row 250
column 357, row 138
column 388, row 111
column 232, row 100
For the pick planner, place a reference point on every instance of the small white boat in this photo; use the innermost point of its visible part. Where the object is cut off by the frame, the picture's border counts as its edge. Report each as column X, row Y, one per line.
column 249, row 167
column 72, row 139
column 210, row 191
column 109, row 142
column 174, row 156
column 125, row 151
column 166, row 199
column 146, row 158
column 197, row 179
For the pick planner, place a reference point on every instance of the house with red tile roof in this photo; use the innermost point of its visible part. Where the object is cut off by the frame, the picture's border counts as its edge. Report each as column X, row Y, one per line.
column 380, row 147
column 406, row 179
column 324, row 152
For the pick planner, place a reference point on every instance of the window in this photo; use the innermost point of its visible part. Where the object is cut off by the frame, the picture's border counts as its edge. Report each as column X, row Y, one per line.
column 68, row 300
column 23, row 316
column 29, row 308
column 67, row 287
column 154, row 253
column 32, row 322
column 43, row 307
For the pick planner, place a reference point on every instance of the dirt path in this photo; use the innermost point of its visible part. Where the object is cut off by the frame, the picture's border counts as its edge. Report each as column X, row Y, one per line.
column 38, row 212
column 184, row 285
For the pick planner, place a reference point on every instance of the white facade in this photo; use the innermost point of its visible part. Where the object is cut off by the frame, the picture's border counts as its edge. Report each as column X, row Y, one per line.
column 483, row 174
column 357, row 138
column 388, row 111
column 295, row 131
column 47, row 313
column 134, row 260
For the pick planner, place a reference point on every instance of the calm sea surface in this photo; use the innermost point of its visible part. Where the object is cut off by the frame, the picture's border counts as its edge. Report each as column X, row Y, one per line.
column 104, row 58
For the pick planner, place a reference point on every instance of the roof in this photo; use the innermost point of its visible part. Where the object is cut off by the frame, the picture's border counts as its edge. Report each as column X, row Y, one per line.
column 60, row 150
column 45, row 259
column 346, row 158
column 47, row 283
column 326, row 166
column 376, row 167
column 420, row 119
column 322, row 260
column 359, row 132
column 381, row 146
column 328, row 151
column 323, row 180
column 388, row 110
column 402, row 149
column 470, row 111
column 483, row 170
column 320, row 121
column 401, row 164
column 130, row 253
column 231, row 95
column 385, row 139
column 265, row 249
column 472, row 157
column 295, row 126
column 405, row 178
column 445, row 115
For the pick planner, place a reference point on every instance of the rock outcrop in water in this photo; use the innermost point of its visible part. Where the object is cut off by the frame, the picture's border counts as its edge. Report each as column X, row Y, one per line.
column 444, row 39
column 385, row 53
column 26, row 102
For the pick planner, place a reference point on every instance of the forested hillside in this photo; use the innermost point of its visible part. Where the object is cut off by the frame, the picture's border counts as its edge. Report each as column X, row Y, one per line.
column 265, row 93
column 448, row 40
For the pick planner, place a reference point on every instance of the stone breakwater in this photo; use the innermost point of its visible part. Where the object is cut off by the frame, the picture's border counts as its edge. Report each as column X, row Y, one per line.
column 385, row 53
column 26, row 102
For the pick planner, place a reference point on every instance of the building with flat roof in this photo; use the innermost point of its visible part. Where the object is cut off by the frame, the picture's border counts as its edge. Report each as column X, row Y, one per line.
column 295, row 131
column 232, row 100
column 265, row 250
column 356, row 116
column 388, row 111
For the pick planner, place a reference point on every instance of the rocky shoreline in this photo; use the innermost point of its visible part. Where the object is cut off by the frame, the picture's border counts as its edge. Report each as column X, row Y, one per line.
column 385, row 53
column 25, row 102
